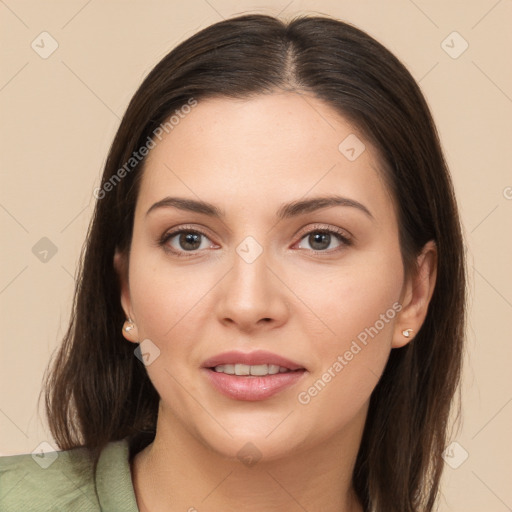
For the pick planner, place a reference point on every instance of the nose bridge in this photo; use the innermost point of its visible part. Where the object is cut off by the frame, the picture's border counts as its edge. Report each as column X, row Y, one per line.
column 251, row 291
column 250, row 277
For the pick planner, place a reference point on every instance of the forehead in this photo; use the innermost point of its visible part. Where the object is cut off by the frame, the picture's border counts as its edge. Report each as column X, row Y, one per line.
column 261, row 152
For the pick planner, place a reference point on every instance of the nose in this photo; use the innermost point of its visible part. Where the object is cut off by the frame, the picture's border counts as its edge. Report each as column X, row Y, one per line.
column 252, row 296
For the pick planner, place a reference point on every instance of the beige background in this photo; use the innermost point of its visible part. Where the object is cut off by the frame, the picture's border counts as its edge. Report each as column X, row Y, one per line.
column 59, row 116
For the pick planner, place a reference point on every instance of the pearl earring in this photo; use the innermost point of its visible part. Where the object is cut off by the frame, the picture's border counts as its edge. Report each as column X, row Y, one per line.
column 130, row 325
column 407, row 332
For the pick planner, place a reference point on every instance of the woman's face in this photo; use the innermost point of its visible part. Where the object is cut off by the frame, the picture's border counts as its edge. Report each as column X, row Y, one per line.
column 270, row 271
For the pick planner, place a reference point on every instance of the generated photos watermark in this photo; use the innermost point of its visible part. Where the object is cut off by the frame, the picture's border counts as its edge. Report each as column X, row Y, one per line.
column 143, row 151
column 357, row 345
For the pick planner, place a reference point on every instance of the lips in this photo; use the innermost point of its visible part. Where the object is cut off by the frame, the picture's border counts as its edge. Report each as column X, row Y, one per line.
column 251, row 359
column 251, row 387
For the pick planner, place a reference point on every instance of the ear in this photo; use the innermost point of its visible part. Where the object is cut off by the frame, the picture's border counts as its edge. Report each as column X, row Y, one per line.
column 416, row 295
column 121, row 268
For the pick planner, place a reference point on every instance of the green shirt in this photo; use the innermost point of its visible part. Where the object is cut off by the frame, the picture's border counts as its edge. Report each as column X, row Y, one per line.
column 67, row 483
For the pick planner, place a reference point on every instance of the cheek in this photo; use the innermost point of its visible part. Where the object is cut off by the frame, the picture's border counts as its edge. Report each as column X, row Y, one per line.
column 167, row 302
column 358, row 307
column 356, row 295
column 164, row 296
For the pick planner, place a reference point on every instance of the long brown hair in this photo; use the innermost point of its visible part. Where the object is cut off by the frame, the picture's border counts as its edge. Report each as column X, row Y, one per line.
column 97, row 391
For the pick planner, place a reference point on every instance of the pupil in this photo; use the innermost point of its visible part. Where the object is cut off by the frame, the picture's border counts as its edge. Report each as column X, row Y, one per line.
column 190, row 239
column 320, row 238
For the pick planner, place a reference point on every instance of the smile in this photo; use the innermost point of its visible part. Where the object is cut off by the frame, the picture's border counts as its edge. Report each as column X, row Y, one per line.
column 250, row 386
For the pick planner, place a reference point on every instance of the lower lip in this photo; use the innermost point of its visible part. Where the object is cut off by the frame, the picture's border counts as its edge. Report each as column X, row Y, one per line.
column 252, row 387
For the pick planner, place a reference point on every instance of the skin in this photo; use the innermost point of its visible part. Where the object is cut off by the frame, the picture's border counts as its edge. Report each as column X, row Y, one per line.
column 248, row 157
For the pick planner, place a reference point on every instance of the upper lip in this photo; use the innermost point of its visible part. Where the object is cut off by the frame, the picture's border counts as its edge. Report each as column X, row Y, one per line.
column 251, row 358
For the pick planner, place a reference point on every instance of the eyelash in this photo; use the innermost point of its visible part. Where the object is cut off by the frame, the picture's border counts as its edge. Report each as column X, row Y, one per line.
column 338, row 233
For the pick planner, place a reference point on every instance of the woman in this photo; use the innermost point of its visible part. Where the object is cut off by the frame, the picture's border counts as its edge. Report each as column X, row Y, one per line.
column 270, row 310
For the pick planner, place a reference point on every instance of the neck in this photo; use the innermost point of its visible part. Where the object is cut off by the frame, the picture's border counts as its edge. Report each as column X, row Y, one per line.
column 177, row 472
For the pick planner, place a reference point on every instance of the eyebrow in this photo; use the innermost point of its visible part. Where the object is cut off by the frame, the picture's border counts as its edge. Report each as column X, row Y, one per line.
column 285, row 211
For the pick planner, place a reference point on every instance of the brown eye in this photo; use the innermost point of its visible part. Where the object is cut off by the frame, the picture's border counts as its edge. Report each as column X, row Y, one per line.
column 322, row 240
column 185, row 241
column 189, row 241
column 319, row 241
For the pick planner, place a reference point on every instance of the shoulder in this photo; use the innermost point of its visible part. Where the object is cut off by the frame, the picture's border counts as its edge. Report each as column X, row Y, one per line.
column 48, row 481
column 59, row 481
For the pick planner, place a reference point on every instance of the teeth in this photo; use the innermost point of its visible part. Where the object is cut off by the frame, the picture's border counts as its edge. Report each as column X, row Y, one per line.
column 242, row 369
column 245, row 369
column 228, row 368
column 274, row 368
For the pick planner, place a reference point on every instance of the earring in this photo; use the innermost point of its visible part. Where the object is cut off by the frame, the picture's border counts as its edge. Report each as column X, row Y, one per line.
column 407, row 332
column 130, row 325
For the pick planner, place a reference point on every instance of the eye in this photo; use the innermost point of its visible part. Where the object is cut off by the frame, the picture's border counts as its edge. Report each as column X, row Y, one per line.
column 183, row 241
column 321, row 239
